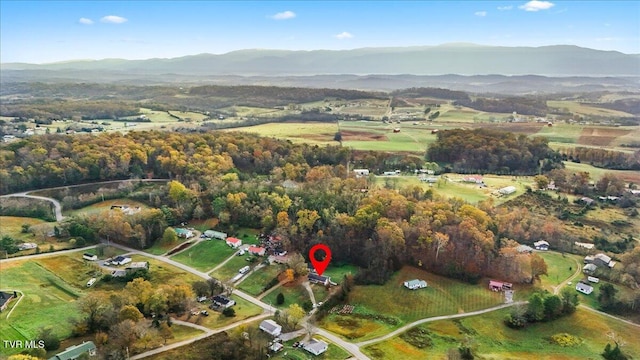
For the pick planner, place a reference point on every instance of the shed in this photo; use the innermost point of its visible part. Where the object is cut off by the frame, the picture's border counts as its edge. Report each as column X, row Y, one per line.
column 507, row 190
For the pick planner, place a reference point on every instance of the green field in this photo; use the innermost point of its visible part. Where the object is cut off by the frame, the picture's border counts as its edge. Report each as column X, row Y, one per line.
column 205, row 255
column 47, row 301
column 254, row 283
column 293, row 294
column 597, row 173
column 493, row 340
column 559, row 267
column 442, row 296
column 337, row 272
column 231, row 268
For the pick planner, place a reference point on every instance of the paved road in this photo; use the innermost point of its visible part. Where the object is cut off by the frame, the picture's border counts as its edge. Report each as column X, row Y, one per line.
column 436, row 318
column 41, row 255
column 56, row 203
column 208, row 333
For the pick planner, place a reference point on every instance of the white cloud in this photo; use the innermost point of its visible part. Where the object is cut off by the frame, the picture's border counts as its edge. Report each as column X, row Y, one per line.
column 113, row 19
column 505, row 8
column 344, row 35
column 85, row 21
column 285, row 15
column 536, row 5
column 480, row 13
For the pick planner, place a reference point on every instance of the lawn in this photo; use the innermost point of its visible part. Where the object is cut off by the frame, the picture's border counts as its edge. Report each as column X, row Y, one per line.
column 72, row 269
column 293, row 294
column 338, row 271
column 47, row 301
column 243, row 309
column 160, row 248
column 12, row 226
column 258, row 279
column 231, row 268
column 493, row 340
column 378, row 309
column 559, row 268
column 205, row 255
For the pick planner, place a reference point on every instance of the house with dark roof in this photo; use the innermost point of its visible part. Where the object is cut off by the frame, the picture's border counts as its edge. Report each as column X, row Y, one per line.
column 316, row 347
column 121, row 260
column 589, row 269
column 5, row 297
column 223, row 301
column 603, row 260
column 541, row 245
column 76, row 351
column 271, row 327
column 319, row 279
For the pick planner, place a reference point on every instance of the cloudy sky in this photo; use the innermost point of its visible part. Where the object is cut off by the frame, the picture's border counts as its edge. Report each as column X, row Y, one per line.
column 48, row 31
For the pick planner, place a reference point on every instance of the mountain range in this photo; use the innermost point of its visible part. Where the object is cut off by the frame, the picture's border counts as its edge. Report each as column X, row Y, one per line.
column 461, row 59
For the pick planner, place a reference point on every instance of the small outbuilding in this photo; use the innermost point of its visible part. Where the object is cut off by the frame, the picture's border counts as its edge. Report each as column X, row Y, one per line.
column 90, row 257
column 415, row 284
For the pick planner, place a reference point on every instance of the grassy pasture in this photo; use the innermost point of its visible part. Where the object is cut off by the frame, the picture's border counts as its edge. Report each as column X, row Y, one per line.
column 559, row 268
column 597, row 173
column 496, row 341
column 293, row 294
column 47, row 301
column 205, row 255
column 257, row 280
column 442, row 296
column 584, row 109
column 12, row 226
column 102, row 206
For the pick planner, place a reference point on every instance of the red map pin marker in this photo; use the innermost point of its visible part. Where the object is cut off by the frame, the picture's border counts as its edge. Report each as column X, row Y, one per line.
column 320, row 265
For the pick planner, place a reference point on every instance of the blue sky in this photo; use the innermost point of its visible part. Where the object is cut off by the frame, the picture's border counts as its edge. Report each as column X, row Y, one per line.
column 48, row 31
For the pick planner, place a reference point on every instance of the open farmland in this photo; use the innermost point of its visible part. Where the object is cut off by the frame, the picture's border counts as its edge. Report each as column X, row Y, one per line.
column 596, row 173
column 47, row 300
column 493, row 340
column 378, row 311
column 585, row 109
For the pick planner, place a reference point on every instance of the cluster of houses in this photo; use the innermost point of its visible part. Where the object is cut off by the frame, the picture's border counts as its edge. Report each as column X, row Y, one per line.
column 314, row 346
column 594, row 261
column 584, row 286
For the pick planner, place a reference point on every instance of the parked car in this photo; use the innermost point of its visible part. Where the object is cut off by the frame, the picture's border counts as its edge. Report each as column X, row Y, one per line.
column 204, row 312
column 91, row 282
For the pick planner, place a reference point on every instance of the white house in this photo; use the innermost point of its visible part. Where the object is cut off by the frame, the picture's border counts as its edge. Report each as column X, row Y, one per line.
column 415, row 284
column 361, row 172
column 234, row 242
column 584, row 288
column 184, row 233
column 89, row 257
column 27, row 246
column 541, row 245
column 507, row 190
column 271, row 327
column 121, row 260
column 316, row 347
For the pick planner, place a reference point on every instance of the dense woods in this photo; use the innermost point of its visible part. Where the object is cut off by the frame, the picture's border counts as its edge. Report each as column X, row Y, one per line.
column 492, row 151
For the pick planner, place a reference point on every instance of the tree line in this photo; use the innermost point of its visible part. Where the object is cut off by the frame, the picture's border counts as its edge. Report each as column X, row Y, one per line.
column 520, row 105
column 492, row 151
column 603, row 158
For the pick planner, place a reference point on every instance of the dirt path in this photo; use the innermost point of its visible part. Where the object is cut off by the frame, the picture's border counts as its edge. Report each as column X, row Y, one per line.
column 559, row 287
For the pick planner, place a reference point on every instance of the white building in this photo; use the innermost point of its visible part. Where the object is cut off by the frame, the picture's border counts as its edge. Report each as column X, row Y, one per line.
column 415, row 284
column 271, row 327
column 361, row 172
column 507, row 190
column 316, row 347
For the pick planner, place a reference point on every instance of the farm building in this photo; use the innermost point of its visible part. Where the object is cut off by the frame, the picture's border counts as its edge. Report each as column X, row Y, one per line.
column 234, row 242
column 507, row 190
column 257, row 250
column 121, row 260
column 184, row 233
column 90, row 257
column 584, row 288
column 212, row 234
column 499, row 285
column 319, row 279
column 76, row 351
column 584, row 245
column 415, row 284
column 476, row 179
column 5, row 297
column 316, row 347
column 589, row 269
column 541, row 245
column 586, row 200
column 137, row 265
column 271, row 327
column 603, row 260
column 361, row 172
column 223, row 301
